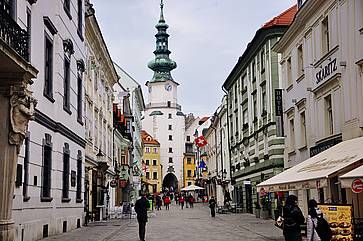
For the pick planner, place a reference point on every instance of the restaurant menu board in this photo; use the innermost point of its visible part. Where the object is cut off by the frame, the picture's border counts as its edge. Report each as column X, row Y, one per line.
column 339, row 218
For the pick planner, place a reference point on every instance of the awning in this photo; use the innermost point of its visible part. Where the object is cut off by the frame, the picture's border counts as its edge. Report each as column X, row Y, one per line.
column 348, row 178
column 315, row 171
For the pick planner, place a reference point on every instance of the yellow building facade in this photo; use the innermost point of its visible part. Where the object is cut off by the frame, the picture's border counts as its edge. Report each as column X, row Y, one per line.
column 189, row 169
column 152, row 169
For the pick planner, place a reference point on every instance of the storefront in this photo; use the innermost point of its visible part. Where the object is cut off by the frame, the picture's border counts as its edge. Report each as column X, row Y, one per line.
column 318, row 176
column 353, row 184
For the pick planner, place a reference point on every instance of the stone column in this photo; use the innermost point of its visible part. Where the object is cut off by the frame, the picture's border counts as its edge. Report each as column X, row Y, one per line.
column 16, row 109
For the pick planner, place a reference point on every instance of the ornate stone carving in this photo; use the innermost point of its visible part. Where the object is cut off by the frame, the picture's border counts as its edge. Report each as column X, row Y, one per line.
column 68, row 47
column 22, row 106
column 80, row 65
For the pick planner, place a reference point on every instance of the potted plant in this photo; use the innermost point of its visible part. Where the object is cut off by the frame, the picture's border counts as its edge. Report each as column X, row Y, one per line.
column 257, row 209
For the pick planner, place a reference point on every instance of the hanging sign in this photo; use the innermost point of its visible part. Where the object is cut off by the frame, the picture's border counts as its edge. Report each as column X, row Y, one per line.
column 357, row 186
column 113, row 183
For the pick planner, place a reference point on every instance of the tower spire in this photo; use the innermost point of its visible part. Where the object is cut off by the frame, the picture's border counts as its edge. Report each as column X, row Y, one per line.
column 161, row 11
column 162, row 64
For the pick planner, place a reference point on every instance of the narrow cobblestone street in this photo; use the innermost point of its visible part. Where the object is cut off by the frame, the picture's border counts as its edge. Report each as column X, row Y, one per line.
column 176, row 225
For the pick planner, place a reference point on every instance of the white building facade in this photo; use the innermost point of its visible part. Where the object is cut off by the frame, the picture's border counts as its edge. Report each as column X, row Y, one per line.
column 322, row 57
column 137, row 105
column 163, row 118
column 100, row 77
column 49, row 192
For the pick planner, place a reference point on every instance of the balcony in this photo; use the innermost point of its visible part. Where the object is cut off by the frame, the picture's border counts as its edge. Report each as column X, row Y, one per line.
column 14, row 55
column 14, row 36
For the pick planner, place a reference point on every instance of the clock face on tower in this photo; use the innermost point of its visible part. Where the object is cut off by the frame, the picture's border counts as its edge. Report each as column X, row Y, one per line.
column 168, row 87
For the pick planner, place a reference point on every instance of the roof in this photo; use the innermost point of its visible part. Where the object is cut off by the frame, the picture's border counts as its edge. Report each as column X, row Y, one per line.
column 315, row 171
column 148, row 139
column 203, row 119
column 283, row 19
column 275, row 27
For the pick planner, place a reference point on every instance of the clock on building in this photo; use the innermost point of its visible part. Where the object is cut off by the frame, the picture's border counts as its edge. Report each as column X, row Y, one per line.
column 168, row 87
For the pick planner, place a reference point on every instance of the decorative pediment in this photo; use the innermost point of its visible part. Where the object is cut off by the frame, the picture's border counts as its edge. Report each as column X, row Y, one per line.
column 80, row 65
column 68, row 47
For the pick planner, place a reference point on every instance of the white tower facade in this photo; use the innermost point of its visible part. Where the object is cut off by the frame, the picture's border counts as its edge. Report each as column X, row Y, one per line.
column 163, row 118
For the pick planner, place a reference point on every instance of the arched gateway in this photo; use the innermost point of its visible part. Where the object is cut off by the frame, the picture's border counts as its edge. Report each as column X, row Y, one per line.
column 170, row 182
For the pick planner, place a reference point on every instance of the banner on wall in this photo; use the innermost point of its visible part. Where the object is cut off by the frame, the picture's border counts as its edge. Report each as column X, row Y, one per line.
column 339, row 218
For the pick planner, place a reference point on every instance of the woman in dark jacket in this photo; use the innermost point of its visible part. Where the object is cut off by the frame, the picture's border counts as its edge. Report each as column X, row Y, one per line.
column 293, row 218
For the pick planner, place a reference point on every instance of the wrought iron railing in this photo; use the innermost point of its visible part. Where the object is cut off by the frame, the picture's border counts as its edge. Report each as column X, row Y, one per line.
column 12, row 34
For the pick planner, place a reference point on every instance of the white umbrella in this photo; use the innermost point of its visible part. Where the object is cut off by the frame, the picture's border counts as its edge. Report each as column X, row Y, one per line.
column 192, row 188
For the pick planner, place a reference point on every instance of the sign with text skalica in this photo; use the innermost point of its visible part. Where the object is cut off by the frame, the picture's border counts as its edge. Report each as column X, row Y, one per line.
column 327, row 69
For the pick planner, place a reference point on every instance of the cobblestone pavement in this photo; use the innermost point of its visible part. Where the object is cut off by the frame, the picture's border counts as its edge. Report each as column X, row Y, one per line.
column 178, row 225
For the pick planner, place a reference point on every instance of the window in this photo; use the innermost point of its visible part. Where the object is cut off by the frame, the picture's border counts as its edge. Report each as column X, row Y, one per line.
column 254, row 107
column 66, row 170
column 262, row 61
column 288, row 70
column 188, row 138
column 292, row 135
column 26, row 168
column 147, row 175
column 189, row 183
column 170, row 127
column 300, row 61
column 236, row 124
column 169, row 103
column 147, row 162
column 189, row 173
column 253, row 71
column 80, row 18
column 29, row 29
column 235, row 94
column 48, row 68
column 66, row 85
column 303, row 128
column 325, row 35
column 79, row 177
column 189, row 160
column 154, row 162
column 79, row 98
column 67, row 7
column 170, row 137
column 170, row 160
column 147, row 149
column 47, row 168
column 155, row 150
column 170, row 150
column 245, row 116
column 169, row 116
column 263, row 101
column 329, row 115
column 155, row 175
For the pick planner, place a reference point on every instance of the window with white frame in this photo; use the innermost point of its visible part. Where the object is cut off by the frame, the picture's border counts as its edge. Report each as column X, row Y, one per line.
column 329, row 115
column 245, row 116
column 300, row 60
column 288, row 70
column 292, row 134
column 147, row 149
column 303, row 128
column 325, row 35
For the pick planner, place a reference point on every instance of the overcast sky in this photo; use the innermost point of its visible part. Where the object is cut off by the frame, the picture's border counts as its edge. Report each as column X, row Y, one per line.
column 206, row 39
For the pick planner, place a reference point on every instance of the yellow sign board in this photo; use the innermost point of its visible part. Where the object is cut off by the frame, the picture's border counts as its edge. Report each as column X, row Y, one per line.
column 339, row 218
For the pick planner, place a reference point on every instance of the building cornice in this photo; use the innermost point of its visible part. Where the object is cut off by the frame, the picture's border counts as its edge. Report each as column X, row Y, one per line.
column 261, row 36
column 305, row 12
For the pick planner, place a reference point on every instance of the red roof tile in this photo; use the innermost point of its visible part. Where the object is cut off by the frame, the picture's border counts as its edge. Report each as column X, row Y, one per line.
column 283, row 19
column 148, row 139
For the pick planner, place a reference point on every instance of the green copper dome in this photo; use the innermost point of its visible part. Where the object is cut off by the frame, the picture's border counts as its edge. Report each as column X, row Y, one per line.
column 162, row 64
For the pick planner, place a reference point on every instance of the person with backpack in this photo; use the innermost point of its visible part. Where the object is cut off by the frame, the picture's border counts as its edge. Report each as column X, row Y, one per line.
column 293, row 218
column 317, row 227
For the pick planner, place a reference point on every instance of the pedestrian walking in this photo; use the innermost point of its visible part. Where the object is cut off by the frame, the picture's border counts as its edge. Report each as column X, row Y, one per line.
column 317, row 228
column 312, row 221
column 191, row 200
column 141, row 207
column 212, row 206
column 293, row 218
column 167, row 202
column 158, row 202
column 181, row 201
